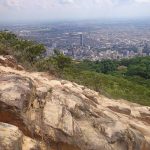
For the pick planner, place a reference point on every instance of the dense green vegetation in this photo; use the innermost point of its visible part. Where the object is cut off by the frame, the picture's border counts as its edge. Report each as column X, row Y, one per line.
column 128, row 79
column 117, row 82
column 26, row 52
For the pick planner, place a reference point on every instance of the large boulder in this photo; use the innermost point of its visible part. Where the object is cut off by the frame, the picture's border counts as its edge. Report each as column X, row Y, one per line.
column 16, row 96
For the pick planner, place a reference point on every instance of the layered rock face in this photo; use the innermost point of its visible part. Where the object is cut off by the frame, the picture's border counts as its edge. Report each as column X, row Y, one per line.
column 39, row 112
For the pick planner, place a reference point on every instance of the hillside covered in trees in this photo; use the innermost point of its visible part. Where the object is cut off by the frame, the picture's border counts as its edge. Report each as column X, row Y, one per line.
column 127, row 79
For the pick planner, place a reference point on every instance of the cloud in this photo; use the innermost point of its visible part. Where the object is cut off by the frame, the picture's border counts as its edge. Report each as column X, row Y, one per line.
column 72, row 9
column 12, row 3
column 67, row 1
column 73, row 3
column 142, row 1
column 34, row 3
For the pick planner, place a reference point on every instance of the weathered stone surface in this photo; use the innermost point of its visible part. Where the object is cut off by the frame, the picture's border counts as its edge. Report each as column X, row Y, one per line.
column 58, row 117
column 16, row 91
column 19, row 67
column 10, row 137
column 122, row 110
column 56, row 114
column 30, row 144
column 9, row 61
column 16, row 97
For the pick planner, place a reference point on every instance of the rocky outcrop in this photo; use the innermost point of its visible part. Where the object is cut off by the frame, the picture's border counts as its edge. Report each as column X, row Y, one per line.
column 40, row 112
column 9, row 61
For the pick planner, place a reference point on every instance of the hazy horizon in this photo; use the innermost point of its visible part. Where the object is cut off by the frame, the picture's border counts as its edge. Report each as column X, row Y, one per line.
column 61, row 10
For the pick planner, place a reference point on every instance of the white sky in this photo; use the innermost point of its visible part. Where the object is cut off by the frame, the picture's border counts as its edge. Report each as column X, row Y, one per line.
column 38, row 10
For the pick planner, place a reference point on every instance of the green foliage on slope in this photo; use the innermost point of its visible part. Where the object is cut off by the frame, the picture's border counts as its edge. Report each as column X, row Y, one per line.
column 112, row 86
column 26, row 52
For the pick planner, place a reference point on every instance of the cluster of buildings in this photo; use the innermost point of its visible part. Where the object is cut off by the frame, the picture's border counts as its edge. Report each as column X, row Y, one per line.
column 80, row 50
column 94, row 42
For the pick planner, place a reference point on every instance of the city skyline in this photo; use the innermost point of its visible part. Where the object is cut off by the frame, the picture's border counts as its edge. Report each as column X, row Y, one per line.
column 89, row 41
column 55, row 10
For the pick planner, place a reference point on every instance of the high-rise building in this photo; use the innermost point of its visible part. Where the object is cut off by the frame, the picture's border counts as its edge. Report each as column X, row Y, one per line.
column 140, row 50
column 54, row 45
column 81, row 39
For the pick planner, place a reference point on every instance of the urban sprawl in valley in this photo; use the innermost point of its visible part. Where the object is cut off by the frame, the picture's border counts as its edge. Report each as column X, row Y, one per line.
column 94, row 41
